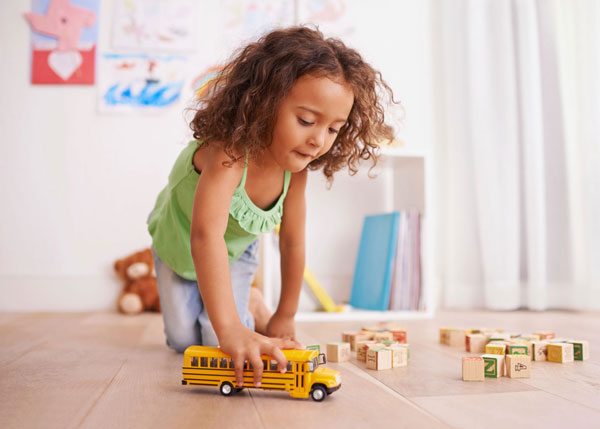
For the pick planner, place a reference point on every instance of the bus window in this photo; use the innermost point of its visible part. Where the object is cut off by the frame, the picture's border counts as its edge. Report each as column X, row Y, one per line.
column 273, row 365
column 289, row 366
column 231, row 365
column 204, row 361
column 265, row 365
column 312, row 365
column 214, row 362
column 194, row 361
column 249, row 366
column 223, row 363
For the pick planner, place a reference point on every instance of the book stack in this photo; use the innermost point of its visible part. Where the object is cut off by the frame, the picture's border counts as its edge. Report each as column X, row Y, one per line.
column 387, row 275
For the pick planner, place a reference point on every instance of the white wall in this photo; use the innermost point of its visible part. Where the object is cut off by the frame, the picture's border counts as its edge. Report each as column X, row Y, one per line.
column 76, row 186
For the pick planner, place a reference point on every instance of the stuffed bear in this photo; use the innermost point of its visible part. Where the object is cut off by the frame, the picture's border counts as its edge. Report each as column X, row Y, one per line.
column 140, row 291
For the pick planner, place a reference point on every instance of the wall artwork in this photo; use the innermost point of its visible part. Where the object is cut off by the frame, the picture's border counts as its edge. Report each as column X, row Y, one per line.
column 140, row 82
column 156, row 25
column 63, row 40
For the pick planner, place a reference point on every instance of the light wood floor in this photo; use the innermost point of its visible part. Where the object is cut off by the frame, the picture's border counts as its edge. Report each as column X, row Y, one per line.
column 112, row 371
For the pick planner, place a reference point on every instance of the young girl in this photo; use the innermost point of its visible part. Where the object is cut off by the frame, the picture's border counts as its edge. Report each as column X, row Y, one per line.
column 291, row 102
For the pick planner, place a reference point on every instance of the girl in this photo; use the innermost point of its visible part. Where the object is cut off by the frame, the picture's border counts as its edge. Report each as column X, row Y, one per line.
column 291, row 102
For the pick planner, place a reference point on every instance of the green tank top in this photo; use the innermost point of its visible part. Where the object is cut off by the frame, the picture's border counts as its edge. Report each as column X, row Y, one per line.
column 170, row 222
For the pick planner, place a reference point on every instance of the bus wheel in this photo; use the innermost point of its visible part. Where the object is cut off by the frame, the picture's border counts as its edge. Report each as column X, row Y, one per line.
column 226, row 388
column 318, row 393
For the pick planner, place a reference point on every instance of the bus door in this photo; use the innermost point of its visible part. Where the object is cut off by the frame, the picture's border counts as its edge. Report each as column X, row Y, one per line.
column 300, row 375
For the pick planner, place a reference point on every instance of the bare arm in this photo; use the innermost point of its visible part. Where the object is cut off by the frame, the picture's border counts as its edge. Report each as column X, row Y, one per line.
column 292, row 249
column 210, row 214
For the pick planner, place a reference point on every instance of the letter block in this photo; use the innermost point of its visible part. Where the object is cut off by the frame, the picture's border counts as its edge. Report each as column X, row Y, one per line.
column 539, row 350
column 560, row 352
column 399, row 355
column 361, row 349
column 517, row 349
column 354, row 337
column 338, row 352
column 518, row 366
column 494, row 365
column 379, row 359
column 581, row 349
column 473, row 368
column 495, row 349
column 475, row 343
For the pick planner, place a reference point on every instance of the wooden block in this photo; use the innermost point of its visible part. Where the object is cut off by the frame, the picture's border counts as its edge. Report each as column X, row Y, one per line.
column 530, row 337
column 361, row 349
column 539, row 350
column 473, row 368
column 353, row 337
column 518, row 366
column 560, row 352
column 581, row 349
column 452, row 337
column 475, row 343
column 338, row 352
column 399, row 335
column 494, row 365
column 379, row 359
column 517, row 349
column 545, row 335
column 383, row 336
column 399, row 355
column 495, row 349
column 316, row 347
column 500, row 336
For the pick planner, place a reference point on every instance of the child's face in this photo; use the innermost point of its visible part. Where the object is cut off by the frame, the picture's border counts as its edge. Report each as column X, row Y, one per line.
column 308, row 121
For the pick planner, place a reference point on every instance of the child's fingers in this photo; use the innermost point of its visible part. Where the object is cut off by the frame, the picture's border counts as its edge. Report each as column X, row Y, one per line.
column 288, row 343
column 257, row 365
column 238, row 364
column 279, row 357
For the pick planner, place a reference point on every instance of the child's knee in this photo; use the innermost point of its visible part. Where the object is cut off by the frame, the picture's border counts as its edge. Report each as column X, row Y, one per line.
column 181, row 339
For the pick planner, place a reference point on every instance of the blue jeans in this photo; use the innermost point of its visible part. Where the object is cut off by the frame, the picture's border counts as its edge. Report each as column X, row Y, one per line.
column 185, row 317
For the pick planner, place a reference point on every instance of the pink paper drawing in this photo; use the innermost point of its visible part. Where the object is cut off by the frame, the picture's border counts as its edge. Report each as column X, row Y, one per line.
column 64, row 56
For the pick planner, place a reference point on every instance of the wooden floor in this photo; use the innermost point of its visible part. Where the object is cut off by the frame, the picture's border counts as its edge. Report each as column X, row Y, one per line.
column 107, row 370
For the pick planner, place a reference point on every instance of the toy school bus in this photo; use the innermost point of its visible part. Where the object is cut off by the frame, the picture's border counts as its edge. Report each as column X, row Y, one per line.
column 209, row 366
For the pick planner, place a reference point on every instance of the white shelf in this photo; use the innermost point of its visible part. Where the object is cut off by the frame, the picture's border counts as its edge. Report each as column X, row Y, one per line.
column 354, row 314
column 334, row 218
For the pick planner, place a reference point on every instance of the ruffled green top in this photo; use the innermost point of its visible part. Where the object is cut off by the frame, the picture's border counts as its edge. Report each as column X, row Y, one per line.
column 170, row 223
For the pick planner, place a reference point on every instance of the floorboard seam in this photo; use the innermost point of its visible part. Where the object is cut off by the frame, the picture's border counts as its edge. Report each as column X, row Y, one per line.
column 256, row 409
column 357, row 370
column 85, row 416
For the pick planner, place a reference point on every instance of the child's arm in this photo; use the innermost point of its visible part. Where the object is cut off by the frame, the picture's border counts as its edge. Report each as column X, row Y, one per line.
column 292, row 249
column 209, row 221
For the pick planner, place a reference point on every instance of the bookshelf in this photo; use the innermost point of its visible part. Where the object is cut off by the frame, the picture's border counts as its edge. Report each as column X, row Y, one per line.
column 334, row 223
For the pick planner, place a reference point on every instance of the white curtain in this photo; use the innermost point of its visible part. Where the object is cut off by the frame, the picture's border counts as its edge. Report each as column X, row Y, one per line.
column 516, row 86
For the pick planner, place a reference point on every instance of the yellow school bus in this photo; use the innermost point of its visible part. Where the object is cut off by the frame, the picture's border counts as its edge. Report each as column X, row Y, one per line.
column 305, row 375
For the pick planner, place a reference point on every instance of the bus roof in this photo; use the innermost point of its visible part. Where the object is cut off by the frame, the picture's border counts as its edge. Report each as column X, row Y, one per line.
column 292, row 355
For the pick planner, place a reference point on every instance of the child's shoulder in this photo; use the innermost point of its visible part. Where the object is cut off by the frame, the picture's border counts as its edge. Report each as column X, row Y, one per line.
column 214, row 157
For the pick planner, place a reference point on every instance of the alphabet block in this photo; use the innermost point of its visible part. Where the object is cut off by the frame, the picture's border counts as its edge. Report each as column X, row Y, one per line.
column 518, row 366
column 338, row 352
column 473, row 368
column 379, row 359
column 494, row 365
column 560, row 352
column 581, row 349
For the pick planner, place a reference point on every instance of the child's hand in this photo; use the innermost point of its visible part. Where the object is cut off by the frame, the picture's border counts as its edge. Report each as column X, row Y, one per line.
column 280, row 326
column 243, row 345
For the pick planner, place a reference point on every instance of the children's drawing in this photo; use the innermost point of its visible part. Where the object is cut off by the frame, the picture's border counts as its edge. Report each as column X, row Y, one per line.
column 165, row 25
column 64, row 36
column 140, row 82
column 203, row 82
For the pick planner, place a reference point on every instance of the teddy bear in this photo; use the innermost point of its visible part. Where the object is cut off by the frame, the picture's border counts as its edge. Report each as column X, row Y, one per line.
column 140, row 291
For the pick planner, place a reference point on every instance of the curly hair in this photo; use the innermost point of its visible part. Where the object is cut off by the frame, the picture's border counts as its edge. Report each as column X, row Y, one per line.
column 240, row 110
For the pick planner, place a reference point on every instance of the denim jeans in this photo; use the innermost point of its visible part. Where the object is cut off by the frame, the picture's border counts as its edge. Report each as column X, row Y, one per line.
column 185, row 317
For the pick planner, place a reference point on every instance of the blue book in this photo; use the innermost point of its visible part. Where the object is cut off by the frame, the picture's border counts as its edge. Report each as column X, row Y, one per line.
column 375, row 262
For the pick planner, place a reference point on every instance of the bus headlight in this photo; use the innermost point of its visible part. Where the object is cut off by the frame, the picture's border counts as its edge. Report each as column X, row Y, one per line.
column 338, row 379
